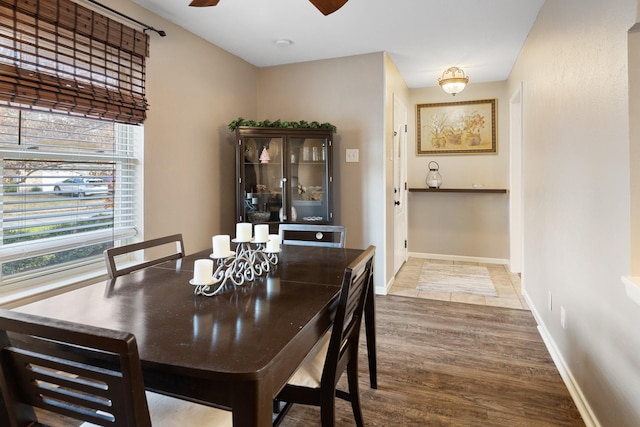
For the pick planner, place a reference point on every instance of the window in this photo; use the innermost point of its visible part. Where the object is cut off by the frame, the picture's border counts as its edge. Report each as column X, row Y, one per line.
column 72, row 89
column 68, row 192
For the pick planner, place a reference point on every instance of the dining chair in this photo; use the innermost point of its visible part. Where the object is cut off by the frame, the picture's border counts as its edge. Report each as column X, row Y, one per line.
column 314, row 382
column 87, row 373
column 332, row 236
column 112, row 265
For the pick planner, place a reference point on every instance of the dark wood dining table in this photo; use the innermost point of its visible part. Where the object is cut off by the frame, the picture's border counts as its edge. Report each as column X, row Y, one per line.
column 234, row 350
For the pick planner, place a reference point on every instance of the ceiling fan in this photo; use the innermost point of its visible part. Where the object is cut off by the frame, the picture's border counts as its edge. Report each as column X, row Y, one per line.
column 324, row 6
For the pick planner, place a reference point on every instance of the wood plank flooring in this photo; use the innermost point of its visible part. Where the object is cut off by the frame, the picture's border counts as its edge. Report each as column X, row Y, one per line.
column 452, row 364
column 444, row 363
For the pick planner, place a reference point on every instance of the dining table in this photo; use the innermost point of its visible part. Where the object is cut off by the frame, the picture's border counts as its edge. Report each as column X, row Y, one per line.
column 234, row 350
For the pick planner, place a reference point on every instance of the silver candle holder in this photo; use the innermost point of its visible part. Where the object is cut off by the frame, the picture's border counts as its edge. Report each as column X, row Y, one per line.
column 251, row 259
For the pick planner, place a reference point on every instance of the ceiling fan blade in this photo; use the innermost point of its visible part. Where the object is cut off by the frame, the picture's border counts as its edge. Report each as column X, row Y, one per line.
column 327, row 6
column 203, row 3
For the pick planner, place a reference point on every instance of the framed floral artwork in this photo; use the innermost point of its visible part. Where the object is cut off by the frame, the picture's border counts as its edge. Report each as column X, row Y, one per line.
column 465, row 127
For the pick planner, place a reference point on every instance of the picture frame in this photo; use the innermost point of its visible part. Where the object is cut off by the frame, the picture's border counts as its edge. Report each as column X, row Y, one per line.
column 464, row 127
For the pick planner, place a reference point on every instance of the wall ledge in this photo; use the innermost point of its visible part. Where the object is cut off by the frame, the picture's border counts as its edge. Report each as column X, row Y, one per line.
column 632, row 285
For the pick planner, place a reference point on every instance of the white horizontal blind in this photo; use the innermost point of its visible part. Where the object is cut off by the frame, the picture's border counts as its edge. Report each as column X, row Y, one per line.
column 68, row 191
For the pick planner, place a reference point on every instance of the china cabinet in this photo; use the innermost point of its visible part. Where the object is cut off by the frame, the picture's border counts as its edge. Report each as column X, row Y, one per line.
column 284, row 175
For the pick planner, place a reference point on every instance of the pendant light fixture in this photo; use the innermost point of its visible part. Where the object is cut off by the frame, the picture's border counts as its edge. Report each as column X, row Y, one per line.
column 453, row 80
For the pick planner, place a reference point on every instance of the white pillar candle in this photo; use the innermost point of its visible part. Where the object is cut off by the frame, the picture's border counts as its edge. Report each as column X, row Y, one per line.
column 221, row 245
column 202, row 271
column 272, row 246
column 261, row 233
column 243, row 232
column 276, row 239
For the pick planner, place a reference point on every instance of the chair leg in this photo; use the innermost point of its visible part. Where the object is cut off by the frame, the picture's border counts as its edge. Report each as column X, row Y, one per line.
column 328, row 412
column 354, row 391
column 282, row 412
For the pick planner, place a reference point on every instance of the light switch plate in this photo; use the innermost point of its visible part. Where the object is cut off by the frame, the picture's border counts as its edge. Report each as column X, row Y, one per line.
column 353, row 155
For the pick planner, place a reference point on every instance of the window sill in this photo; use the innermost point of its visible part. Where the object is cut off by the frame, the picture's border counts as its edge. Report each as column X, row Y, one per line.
column 632, row 285
column 15, row 298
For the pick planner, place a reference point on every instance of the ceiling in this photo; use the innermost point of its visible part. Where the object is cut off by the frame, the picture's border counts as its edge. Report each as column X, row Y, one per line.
column 422, row 37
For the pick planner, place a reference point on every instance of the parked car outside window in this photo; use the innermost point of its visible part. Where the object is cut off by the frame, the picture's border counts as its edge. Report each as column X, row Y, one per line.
column 80, row 187
column 110, row 182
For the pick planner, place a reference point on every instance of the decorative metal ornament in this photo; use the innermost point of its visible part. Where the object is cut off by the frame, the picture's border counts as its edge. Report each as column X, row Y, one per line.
column 243, row 265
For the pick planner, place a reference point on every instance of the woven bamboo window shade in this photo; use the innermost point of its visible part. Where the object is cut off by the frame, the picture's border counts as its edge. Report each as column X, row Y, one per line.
column 58, row 56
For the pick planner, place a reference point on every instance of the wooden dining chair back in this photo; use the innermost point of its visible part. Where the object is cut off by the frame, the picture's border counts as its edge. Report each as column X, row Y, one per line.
column 90, row 374
column 332, row 236
column 314, row 382
column 86, row 373
column 111, row 254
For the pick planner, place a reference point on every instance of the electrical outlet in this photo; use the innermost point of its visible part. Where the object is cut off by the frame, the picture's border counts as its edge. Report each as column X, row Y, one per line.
column 563, row 317
column 549, row 301
column 352, row 155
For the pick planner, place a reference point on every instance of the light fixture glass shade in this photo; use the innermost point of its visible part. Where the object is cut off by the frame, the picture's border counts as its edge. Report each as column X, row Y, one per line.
column 453, row 80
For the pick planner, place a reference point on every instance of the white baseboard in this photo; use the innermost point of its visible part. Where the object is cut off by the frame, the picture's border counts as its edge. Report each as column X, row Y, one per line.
column 384, row 290
column 460, row 258
column 583, row 406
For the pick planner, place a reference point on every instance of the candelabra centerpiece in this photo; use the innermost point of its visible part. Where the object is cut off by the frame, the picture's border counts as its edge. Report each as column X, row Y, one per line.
column 254, row 256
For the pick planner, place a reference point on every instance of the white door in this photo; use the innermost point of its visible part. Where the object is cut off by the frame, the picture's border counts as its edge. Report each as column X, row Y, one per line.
column 400, row 191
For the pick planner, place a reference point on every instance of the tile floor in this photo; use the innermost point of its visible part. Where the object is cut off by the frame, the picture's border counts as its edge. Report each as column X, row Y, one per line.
column 506, row 283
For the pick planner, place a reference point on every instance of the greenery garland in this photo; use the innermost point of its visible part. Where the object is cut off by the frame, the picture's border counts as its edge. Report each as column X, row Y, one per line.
column 240, row 121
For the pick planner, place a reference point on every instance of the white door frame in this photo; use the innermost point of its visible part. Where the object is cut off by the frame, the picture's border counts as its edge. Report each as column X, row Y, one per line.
column 516, row 210
column 399, row 164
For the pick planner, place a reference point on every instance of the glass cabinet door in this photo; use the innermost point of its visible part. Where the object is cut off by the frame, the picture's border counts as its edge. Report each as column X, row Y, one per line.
column 308, row 180
column 262, row 181
column 284, row 175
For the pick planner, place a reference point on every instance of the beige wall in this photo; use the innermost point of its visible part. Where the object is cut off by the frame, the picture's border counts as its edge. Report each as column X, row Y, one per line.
column 576, row 198
column 347, row 92
column 194, row 89
column 461, row 224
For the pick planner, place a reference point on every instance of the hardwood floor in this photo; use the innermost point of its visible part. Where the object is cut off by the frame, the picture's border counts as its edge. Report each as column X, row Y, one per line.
column 451, row 364
column 444, row 363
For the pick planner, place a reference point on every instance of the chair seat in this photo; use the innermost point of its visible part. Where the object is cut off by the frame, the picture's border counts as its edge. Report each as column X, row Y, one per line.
column 309, row 374
column 167, row 411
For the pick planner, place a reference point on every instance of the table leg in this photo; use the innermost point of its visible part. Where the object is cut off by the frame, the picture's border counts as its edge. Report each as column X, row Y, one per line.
column 4, row 415
column 252, row 404
column 370, row 330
